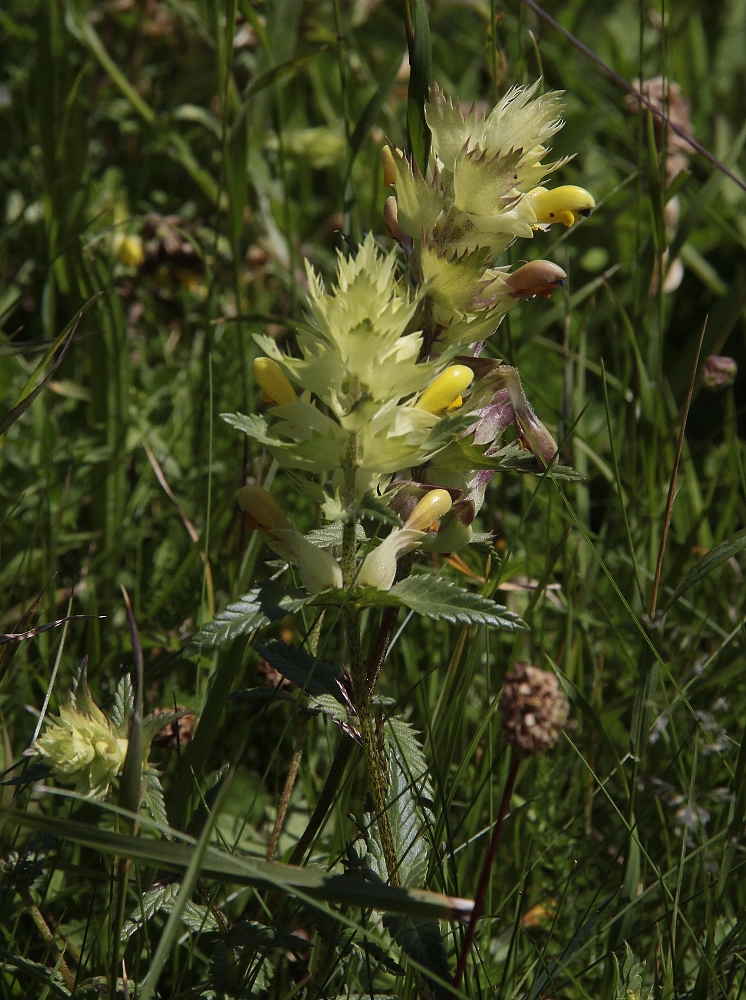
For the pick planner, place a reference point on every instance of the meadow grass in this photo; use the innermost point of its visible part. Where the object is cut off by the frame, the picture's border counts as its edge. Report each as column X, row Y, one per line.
column 235, row 140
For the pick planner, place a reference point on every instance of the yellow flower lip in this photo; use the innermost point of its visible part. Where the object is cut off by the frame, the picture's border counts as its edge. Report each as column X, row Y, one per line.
column 444, row 390
column 273, row 382
column 430, row 509
column 565, row 204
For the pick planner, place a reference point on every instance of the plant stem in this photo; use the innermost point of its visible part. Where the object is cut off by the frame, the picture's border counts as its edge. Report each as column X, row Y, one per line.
column 484, row 878
column 359, row 673
column 287, row 789
column 41, row 925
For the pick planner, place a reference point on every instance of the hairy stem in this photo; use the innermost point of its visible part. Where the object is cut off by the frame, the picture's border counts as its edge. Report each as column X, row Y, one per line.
column 43, row 927
column 359, row 672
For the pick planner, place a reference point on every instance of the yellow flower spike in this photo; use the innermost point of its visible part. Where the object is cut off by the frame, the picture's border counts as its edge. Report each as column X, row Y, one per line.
column 262, row 508
column 565, row 204
column 273, row 382
column 389, row 166
column 430, row 509
column 445, row 389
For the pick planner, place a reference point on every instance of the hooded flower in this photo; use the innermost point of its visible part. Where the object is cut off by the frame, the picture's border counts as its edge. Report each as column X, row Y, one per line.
column 319, row 570
column 379, row 567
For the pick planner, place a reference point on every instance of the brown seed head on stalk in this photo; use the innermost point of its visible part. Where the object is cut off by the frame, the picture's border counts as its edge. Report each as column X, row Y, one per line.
column 533, row 709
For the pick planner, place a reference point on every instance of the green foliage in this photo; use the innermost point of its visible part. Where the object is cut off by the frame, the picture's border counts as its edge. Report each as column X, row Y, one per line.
column 165, row 168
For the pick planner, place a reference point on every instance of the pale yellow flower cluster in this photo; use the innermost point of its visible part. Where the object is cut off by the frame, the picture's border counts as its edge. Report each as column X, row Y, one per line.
column 82, row 748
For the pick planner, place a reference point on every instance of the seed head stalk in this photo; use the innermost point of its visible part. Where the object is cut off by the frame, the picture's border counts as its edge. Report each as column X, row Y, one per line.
column 484, row 878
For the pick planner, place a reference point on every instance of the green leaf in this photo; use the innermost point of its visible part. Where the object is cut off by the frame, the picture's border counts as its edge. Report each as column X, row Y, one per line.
column 153, row 724
column 331, row 534
column 312, row 675
column 410, row 794
column 195, row 917
column 124, row 704
column 420, row 74
column 277, row 73
column 714, row 558
column 153, row 798
column 268, row 602
column 83, row 30
column 463, row 455
column 374, row 507
column 420, row 938
column 253, row 426
column 370, row 112
column 436, row 598
column 307, row 883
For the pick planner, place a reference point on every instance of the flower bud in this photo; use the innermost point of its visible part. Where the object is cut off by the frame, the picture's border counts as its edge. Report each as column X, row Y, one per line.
column 389, row 166
column 538, row 277
column 564, row 204
column 262, row 508
column 82, row 749
column 430, row 509
column 273, row 382
column 533, row 708
column 445, row 389
column 719, row 372
column 379, row 566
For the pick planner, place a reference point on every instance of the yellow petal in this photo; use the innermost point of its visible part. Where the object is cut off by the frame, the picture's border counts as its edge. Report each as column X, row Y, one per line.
column 445, row 389
column 430, row 509
column 564, row 204
column 273, row 381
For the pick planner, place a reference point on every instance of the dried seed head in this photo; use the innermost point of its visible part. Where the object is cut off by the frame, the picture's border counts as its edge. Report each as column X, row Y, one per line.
column 533, row 708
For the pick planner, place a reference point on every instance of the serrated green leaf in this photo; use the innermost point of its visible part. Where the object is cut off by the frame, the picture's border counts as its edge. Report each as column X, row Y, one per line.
column 373, row 507
column 153, row 724
column 253, row 426
column 195, row 917
column 410, row 795
column 330, row 706
column 268, row 602
column 420, row 938
column 436, row 598
column 124, row 704
column 153, row 799
column 331, row 534
column 312, row 675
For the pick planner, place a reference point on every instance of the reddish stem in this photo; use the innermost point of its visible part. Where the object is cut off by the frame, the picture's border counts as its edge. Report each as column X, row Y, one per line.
column 484, row 878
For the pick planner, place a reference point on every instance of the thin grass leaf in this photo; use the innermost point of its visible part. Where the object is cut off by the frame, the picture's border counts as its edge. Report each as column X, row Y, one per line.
column 420, row 76
column 714, row 558
column 307, row 883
